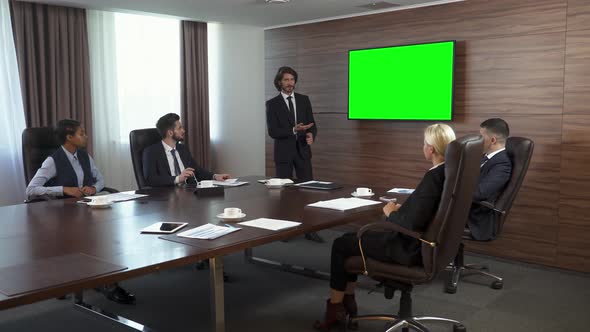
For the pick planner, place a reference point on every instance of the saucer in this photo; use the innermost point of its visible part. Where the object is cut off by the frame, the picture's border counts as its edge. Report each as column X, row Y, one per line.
column 99, row 205
column 238, row 217
column 273, row 186
column 354, row 194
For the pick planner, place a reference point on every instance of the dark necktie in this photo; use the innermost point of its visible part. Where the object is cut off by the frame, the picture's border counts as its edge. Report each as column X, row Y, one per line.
column 484, row 160
column 176, row 164
column 291, row 111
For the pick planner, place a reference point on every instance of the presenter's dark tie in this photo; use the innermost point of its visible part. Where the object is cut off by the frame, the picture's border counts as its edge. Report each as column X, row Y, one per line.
column 484, row 160
column 176, row 164
column 291, row 110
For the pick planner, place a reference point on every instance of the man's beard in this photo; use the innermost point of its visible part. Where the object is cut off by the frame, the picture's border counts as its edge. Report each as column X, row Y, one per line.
column 178, row 138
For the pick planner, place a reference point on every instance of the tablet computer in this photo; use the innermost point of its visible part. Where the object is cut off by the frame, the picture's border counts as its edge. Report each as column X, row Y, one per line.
column 164, row 227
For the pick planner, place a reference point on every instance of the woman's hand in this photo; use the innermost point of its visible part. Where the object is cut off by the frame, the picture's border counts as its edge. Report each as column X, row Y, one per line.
column 390, row 207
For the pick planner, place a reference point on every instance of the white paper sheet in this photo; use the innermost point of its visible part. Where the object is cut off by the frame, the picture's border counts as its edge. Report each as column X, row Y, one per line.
column 271, row 224
column 343, row 204
column 230, row 183
column 208, row 232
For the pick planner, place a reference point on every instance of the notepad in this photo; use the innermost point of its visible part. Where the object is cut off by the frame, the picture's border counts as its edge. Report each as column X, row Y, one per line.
column 270, row 224
column 321, row 185
column 208, row 232
column 343, row 204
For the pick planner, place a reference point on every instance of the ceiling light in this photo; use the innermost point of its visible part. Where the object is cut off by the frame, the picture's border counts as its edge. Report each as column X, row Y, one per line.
column 276, row 1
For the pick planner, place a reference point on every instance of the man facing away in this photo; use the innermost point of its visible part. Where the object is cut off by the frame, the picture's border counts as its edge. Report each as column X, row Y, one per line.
column 495, row 172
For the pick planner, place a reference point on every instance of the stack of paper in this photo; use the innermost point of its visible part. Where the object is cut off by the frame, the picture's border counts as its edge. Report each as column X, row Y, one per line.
column 401, row 191
column 270, row 224
column 343, row 204
column 312, row 182
column 118, row 197
column 230, row 183
column 208, row 232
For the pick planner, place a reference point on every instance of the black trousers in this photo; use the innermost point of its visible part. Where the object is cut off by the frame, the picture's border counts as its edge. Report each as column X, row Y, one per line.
column 302, row 167
column 384, row 247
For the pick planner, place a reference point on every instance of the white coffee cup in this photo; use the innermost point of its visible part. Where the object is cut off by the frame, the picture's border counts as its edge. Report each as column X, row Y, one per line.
column 274, row 182
column 205, row 184
column 100, row 200
column 232, row 212
column 364, row 191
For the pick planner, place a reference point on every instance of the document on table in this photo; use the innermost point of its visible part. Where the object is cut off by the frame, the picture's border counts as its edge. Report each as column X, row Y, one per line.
column 117, row 197
column 270, row 224
column 230, row 183
column 401, row 191
column 208, row 232
column 343, row 204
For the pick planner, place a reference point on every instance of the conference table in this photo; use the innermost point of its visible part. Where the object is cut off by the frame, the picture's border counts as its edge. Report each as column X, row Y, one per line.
column 52, row 248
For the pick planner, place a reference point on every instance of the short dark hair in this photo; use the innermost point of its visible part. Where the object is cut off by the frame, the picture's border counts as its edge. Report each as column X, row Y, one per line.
column 167, row 122
column 281, row 72
column 64, row 128
column 497, row 127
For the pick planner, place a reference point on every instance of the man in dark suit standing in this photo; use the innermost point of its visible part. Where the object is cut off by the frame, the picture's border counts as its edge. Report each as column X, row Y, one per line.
column 169, row 162
column 495, row 172
column 290, row 123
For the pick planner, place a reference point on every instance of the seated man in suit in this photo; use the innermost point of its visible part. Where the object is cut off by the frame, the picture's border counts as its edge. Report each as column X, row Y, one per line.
column 415, row 214
column 169, row 162
column 71, row 172
column 495, row 172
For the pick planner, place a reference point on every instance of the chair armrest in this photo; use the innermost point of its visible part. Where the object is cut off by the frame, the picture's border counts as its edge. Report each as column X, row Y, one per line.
column 110, row 190
column 386, row 226
column 489, row 206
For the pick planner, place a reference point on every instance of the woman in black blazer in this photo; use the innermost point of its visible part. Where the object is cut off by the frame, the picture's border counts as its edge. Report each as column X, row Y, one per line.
column 415, row 214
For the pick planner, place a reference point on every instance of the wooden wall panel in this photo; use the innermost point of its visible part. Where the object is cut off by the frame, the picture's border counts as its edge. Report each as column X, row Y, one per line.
column 526, row 61
column 578, row 14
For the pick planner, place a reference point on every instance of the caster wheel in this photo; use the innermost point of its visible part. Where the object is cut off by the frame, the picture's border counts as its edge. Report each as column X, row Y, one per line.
column 450, row 290
column 497, row 284
column 459, row 328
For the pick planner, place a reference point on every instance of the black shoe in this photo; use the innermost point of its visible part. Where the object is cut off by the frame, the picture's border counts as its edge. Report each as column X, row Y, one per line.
column 117, row 294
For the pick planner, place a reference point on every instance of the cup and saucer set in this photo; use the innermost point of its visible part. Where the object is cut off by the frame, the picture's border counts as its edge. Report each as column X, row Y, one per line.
column 231, row 214
column 363, row 192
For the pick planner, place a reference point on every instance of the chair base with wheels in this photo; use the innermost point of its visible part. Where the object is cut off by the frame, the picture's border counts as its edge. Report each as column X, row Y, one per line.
column 404, row 320
column 459, row 269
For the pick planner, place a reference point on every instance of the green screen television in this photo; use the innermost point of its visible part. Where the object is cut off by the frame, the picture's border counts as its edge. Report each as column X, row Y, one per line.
column 407, row 82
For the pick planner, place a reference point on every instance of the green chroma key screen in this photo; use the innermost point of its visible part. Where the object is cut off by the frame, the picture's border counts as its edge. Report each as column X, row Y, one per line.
column 410, row 82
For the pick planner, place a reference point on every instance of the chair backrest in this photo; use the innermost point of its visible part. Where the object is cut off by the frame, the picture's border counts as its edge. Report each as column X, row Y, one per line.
column 139, row 140
column 520, row 152
column 37, row 144
column 462, row 160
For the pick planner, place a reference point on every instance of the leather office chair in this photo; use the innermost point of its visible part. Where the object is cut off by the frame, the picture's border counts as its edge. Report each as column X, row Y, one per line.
column 440, row 241
column 37, row 145
column 139, row 140
column 520, row 152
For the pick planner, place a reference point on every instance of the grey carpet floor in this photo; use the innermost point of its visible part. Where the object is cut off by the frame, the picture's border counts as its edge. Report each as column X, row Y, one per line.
column 262, row 299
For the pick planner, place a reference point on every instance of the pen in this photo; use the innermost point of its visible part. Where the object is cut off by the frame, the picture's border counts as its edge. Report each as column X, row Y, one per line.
column 230, row 226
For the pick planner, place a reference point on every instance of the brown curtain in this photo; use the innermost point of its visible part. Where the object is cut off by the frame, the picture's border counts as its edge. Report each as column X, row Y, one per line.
column 52, row 51
column 195, row 90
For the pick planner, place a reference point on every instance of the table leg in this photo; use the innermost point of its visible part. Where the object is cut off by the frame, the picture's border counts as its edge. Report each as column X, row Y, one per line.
column 217, row 296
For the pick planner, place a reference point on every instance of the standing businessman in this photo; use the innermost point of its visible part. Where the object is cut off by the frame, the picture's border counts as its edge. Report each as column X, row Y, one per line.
column 290, row 123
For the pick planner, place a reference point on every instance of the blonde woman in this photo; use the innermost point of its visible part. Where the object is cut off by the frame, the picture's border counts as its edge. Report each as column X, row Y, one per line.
column 415, row 214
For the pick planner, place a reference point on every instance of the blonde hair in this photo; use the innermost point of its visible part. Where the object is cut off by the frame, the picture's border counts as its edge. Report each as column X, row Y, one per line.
column 438, row 136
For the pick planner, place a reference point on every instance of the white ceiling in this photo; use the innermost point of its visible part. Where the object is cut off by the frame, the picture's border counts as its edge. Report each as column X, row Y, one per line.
column 246, row 12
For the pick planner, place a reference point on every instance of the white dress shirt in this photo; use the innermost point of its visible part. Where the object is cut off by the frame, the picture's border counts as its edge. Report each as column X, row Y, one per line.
column 495, row 153
column 168, row 149
column 285, row 96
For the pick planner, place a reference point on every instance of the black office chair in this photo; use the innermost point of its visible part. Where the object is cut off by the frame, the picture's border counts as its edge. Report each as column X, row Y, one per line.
column 520, row 152
column 440, row 241
column 37, row 145
column 139, row 140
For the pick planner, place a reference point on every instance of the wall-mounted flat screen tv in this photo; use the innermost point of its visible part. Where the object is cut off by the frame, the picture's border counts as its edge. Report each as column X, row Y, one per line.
column 407, row 82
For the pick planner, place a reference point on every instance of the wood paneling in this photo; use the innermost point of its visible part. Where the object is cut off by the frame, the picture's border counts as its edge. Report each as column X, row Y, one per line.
column 526, row 61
